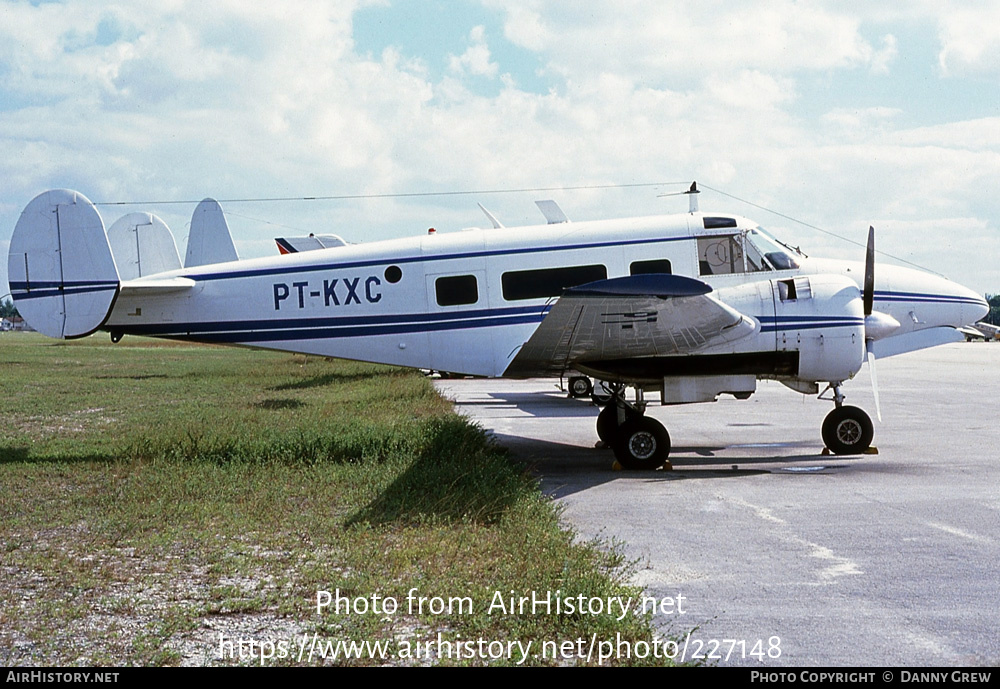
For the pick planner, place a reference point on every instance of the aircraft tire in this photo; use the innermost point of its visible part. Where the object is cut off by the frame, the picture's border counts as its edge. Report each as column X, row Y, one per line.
column 580, row 386
column 607, row 423
column 848, row 431
column 643, row 444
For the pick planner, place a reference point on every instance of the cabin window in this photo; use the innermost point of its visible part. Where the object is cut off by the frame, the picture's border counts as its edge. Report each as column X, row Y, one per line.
column 659, row 265
column 393, row 274
column 457, row 290
column 548, row 282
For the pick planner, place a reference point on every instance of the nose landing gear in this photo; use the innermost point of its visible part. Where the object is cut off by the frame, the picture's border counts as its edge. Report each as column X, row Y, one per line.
column 847, row 430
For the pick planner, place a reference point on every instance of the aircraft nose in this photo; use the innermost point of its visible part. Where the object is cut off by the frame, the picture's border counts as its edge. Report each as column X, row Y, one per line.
column 978, row 307
column 972, row 305
column 930, row 300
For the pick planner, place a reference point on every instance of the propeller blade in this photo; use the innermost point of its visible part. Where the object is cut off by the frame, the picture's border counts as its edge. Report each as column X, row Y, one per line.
column 868, row 294
column 871, row 371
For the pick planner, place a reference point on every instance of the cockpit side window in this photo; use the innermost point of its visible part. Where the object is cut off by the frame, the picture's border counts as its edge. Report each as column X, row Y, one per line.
column 720, row 255
column 755, row 259
column 779, row 256
column 727, row 254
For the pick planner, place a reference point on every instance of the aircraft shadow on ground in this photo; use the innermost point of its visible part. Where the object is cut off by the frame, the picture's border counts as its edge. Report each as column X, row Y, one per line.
column 566, row 469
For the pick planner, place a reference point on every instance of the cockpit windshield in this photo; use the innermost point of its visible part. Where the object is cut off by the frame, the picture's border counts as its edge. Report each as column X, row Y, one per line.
column 774, row 252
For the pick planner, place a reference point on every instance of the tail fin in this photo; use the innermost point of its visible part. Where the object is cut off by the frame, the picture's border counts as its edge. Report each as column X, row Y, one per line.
column 142, row 245
column 62, row 274
column 209, row 240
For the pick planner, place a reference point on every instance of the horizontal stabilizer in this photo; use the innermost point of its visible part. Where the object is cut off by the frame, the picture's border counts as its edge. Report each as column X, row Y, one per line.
column 150, row 286
column 142, row 245
column 209, row 240
column 62, row 273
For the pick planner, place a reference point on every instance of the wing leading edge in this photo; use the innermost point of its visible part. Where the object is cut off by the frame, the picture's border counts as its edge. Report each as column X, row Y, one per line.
column 630, row 317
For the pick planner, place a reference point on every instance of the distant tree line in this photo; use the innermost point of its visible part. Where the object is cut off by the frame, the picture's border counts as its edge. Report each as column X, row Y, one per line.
column 994, row 314
column 8, row 310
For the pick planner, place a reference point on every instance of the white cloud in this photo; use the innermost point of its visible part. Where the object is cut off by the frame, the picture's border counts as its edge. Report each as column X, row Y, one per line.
column 657, row 43
column 978, row 135
column 861, row 121
column 476, row 58
column 750, row 90
column 247, row 100
column 524, row 27
column 882, row 59
column 970, row 43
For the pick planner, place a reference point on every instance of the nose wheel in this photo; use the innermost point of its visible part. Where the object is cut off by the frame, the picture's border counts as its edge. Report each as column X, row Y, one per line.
column 847, row 430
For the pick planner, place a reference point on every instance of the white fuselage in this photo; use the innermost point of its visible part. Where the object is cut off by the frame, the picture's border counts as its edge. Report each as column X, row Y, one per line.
column 467, row 301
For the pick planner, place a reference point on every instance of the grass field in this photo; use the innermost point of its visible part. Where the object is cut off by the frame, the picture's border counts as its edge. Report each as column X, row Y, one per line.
column 160, row 500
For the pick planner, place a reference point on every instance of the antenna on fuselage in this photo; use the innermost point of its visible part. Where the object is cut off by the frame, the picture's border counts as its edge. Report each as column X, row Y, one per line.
column 496, row 223
column 693, row 197
column 692, row 194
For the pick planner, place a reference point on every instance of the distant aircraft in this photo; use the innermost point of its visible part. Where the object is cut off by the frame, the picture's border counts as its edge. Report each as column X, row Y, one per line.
column 981, row 331
column 690, row 306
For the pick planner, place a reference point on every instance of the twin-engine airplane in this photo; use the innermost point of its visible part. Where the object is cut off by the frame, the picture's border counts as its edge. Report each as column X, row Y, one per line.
column 691, row 306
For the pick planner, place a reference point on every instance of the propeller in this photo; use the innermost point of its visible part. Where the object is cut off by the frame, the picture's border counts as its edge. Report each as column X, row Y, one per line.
column 868, row 299
column 869, row 291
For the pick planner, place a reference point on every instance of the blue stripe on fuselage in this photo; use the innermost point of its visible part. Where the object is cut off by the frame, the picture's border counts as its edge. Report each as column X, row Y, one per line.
column 920, row 297
column 236, row 333
column 356, row 326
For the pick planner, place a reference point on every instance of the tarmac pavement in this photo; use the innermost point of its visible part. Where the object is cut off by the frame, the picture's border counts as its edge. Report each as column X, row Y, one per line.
column 888, row 559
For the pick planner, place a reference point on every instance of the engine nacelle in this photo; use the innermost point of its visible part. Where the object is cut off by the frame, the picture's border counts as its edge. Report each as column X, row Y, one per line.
column 822, row 318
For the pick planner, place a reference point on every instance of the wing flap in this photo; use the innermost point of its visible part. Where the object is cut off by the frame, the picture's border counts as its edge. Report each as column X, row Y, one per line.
column 630, row 317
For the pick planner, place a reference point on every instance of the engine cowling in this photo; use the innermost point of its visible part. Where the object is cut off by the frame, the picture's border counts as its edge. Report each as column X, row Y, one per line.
column 822, row 318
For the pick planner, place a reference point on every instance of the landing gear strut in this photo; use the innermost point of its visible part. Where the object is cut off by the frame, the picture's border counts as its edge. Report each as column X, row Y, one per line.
column 639, row 442
column 847, row 430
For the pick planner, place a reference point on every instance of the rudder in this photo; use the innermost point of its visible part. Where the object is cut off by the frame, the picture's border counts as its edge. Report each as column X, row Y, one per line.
column 209, row 240
column 142, row 245
column 62, row 274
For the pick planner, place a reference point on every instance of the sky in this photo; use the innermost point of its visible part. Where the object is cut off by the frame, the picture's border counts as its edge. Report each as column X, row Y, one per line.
column 836, row 115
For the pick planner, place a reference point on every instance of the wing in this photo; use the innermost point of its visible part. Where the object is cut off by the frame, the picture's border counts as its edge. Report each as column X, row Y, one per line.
column 639, row 316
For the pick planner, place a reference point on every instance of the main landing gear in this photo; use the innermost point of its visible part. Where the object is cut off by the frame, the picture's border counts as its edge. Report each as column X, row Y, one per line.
column 847, row 430
column 640, row 443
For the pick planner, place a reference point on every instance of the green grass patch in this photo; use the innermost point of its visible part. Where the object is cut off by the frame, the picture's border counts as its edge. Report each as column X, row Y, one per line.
column 158, row 500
